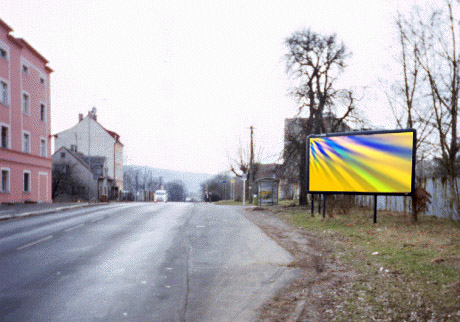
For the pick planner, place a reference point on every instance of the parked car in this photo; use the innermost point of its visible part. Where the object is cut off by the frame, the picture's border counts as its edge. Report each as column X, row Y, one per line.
column 160, row 195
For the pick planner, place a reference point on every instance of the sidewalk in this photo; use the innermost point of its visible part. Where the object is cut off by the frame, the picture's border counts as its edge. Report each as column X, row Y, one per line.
column 8, row 211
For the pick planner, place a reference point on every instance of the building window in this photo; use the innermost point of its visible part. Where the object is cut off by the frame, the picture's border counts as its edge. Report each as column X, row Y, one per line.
column 3, row 53
column 42, row 80
column 25, row 103
column 62, row 155
column 26, row 142
column 26, row 181
column 42, row 112
column 5, row 137
column 25, row 69
column 42, row 147
column 4, row 93
column 5, row 178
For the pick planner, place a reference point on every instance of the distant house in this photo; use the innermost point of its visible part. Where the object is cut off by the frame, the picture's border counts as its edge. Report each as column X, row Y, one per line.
column 74, row 173
column 89, row 137
column 25, row 153
column 295, row 134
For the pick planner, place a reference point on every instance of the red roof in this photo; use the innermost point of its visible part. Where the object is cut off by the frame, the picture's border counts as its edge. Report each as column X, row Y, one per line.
column 113, row 134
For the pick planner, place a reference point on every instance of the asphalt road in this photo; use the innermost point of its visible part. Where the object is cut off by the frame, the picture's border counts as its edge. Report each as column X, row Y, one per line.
column 138, row 262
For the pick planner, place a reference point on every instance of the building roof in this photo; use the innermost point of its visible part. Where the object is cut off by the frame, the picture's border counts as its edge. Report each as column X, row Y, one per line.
column 5, row 26
column 95, row 161
column 21, row 43
column 113, row 134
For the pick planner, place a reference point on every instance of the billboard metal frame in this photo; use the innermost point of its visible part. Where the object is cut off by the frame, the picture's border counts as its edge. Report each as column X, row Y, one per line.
column 375, row 194
column 360, row 133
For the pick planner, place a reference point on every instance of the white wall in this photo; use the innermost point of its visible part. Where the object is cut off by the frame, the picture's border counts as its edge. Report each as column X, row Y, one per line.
column 101, row 143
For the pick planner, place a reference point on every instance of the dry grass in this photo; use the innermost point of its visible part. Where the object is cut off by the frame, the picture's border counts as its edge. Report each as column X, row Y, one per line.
column 407, row 272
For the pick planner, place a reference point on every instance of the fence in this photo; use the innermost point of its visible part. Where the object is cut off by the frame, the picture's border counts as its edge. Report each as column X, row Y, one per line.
column 441, row 202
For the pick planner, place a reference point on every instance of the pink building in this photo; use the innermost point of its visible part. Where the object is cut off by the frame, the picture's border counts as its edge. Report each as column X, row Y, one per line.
column 25, row 153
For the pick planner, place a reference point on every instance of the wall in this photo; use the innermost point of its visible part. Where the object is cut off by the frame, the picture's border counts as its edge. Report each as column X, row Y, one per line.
column 12, row 158
column 79, row 171
column 441, row 205
column 102, row 144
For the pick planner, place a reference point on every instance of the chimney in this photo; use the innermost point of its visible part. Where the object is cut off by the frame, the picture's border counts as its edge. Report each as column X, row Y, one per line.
column 80, row 117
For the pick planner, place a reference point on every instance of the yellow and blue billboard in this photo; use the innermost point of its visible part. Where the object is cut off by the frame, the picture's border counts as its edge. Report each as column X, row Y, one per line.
column 372, row 162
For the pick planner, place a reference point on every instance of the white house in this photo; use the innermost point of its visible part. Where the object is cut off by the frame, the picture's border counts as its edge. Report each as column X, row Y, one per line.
column 90, row 138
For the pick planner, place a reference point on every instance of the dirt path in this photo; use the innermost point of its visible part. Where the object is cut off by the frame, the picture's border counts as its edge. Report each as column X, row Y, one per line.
column 313, row 297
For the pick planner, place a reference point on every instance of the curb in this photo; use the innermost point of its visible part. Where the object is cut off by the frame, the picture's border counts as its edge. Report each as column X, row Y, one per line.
column 48, row 211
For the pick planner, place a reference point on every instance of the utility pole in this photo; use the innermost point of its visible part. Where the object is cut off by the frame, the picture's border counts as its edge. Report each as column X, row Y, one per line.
column 251, row 164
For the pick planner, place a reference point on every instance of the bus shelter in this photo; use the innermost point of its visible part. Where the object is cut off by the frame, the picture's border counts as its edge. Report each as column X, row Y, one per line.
column 267, row 191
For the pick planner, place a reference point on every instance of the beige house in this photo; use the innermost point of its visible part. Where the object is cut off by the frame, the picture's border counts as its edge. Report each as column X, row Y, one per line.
column 90, row 138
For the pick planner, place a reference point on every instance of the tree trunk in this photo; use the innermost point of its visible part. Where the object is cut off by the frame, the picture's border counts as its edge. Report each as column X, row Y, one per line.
column 454, row 196
column 303, row 176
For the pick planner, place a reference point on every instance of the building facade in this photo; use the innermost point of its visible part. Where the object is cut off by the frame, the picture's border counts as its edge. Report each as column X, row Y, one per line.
column 25, row 154
column 73, row 180
column 90, row 138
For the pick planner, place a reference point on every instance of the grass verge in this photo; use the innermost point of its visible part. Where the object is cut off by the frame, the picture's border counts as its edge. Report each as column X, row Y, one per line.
column 229, row 203
column 405, row 271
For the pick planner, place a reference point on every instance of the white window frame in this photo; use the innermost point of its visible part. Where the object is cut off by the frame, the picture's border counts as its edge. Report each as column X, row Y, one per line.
column 30, row 181
column 22, row 103
column 42, row 139
column 29, row 148
column 7, row 103
column 8, row 189
column 8, row 143
column 44, row 112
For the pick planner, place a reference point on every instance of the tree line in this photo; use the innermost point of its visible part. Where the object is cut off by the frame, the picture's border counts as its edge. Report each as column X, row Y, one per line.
column 137, row 179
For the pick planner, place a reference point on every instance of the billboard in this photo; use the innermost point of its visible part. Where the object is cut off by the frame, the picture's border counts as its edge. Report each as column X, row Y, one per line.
column 370, row 162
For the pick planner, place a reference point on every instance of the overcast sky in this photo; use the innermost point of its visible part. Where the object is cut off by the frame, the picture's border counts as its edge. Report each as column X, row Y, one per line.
column 181, row 81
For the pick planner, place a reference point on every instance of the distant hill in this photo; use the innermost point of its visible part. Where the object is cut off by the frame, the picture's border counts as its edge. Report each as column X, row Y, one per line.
column 191, row 180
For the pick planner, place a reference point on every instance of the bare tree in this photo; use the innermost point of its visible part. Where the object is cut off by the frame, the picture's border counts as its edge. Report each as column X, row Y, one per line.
column 176, row 191
column 433, row 38
column 137, row 178
column 247, row 162
column 315, row 62
column 407, row 96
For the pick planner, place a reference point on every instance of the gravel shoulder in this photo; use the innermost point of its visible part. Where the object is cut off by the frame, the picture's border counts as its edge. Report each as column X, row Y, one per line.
column 318, row 293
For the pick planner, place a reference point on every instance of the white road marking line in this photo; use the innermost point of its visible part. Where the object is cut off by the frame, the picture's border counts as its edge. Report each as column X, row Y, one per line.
column 35, row 242
column 199, row 226
column 74, row 227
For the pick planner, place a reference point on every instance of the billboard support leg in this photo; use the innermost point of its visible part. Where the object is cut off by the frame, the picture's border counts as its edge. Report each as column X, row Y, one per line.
column 312, row 205
column 375, row 209
column 319, row 204
column 324, row 206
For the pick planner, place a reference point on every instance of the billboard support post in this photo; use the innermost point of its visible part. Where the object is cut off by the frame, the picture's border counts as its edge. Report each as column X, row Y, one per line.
column 324, row 206
column 319, row 204
column 312, row 204
column 375, row 209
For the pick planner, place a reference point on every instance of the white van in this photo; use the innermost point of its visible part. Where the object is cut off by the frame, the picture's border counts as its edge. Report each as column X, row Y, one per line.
column 160, row 195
